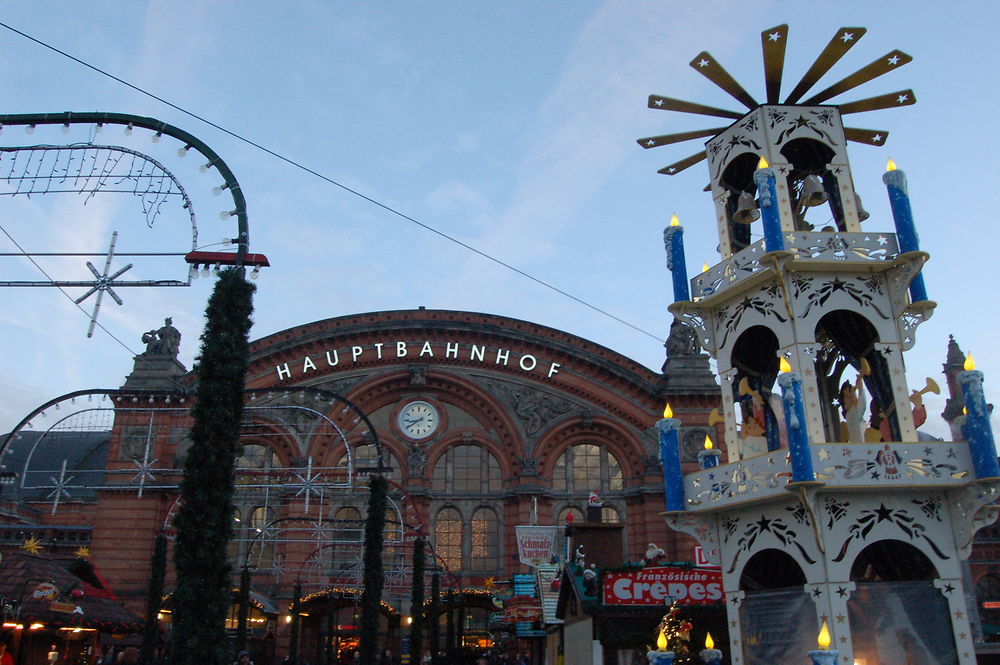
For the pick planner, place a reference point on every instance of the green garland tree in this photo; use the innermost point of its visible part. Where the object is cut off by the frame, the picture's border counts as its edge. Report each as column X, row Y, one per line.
column 417, row 601
column 204, row 521
column 154, row 596
column 374, row 577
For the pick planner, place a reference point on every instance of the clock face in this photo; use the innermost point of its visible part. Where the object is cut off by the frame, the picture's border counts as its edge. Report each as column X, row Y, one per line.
column 418, row 420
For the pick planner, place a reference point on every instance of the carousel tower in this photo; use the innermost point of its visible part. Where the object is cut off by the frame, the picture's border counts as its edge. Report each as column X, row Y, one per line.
column 830, row 509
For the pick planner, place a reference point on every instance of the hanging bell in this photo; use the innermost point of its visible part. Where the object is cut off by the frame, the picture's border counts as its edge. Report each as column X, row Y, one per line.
column 862, row 213
column 746, row 209
column 813, row 193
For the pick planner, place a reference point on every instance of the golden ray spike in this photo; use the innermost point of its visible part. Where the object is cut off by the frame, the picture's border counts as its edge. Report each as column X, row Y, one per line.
column 679, row 105
column 892, row 60
column 772, row 43
column 866, row 136
column 834, row 51
column 666, row 139
column 706, row 65
column 889, row 101
column 677, row 167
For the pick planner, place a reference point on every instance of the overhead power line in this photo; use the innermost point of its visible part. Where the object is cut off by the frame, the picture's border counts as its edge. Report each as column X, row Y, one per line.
column 331, row 181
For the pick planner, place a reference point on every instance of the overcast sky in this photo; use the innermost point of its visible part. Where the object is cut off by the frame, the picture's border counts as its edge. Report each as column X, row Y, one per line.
column 510, row 126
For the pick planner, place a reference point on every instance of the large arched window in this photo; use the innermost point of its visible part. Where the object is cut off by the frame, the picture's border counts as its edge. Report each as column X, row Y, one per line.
column 467, row 468
column 365, row 459
column 585, row 467
column 485, row 545
column 261, row 537
column 448, row 538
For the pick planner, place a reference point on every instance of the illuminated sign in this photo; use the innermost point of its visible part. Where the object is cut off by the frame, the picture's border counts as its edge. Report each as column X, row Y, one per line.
column 409, row 351
column 663, row 585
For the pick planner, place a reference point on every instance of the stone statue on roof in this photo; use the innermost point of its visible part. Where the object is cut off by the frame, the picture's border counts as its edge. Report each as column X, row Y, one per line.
column 163, row 342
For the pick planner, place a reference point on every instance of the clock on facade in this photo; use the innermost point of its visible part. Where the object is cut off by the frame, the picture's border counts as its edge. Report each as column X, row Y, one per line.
column 418, row 420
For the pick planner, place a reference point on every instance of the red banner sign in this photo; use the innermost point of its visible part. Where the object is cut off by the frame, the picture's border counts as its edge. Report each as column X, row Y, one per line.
column 521, row 608
column 663, row 585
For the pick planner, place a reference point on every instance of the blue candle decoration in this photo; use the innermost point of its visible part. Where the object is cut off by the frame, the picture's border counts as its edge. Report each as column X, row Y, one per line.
column 709, row 457
column 795, row 420
column 673, row 243
column 670, row 458
column 902, row 215
column 660, row 657
column 767, row 194
column 977, row 428
column 824, row 656
column 711, row 656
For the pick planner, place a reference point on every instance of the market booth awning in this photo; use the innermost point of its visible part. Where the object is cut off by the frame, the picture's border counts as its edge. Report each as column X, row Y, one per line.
column 59, row 593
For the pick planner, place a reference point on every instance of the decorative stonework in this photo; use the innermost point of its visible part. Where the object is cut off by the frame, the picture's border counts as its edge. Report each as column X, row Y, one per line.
column 534, row 409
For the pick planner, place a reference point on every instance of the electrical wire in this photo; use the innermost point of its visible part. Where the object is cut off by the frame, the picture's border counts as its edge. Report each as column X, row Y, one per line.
column 331, row 181
column 63, row 291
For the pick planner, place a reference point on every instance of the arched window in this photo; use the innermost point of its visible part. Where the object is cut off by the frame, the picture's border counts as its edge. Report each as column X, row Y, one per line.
column 365, row 459
column 485, row 553
column 610, row 515
column 254, row 459
column 448, row 538
column 467, row 468
column 585, row 467
column 261, row 537
column 576, row 512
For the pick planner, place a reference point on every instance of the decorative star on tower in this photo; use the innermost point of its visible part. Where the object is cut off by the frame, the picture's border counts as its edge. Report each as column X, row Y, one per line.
column 82, row 552
column 773, row 43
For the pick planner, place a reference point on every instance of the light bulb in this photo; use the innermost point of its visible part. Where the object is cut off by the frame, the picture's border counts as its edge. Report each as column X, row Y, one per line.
column 255, row 272
column 227, row 241
column 193, row 272
column 156, row 137
column 218, row 269
column 205, row 167
column 226, row 214
column 65, row 128
column 204, row 271
column 30, row 129
column 216, row 190
column 182, row 152
column 128, row 129
column 98, row 127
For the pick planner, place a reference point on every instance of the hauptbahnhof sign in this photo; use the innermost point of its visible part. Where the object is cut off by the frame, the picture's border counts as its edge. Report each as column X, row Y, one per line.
column 409, row 351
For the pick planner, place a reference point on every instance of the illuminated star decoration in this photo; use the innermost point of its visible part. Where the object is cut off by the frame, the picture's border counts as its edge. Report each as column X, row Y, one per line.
column 773, row 43
column 489, row 583
column 32, row 545
column 82, row 552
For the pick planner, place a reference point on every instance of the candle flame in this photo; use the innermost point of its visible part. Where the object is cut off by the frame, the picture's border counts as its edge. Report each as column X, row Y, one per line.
column 762, row 164
column 970, row 364
column 661, row 642
column 890, row 165
column 667, row 411
column 709, row 642
column 784, row 366
column 704, row 266
column 708, row 442
column 824, row 637
column 674, row 221
column 965, row 411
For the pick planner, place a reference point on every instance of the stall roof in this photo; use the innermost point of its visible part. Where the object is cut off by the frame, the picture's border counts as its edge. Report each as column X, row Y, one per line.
column 81, row 597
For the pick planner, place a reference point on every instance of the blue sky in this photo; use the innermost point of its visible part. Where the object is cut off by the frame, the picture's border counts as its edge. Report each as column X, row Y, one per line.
column 510, row 126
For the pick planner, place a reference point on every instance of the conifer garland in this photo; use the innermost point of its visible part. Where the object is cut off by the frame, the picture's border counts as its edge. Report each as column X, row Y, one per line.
column 374, row 577
column 154, row 595
column 204, row 521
